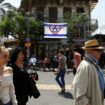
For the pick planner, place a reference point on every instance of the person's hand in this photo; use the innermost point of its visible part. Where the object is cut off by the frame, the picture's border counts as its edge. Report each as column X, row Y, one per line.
column 56, row 72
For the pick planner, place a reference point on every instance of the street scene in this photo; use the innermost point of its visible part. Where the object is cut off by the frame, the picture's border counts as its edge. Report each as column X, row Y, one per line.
column 52, row 52
column 50, row 90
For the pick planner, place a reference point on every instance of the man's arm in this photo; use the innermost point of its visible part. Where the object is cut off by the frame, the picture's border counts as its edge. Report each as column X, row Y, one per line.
column 80, row 83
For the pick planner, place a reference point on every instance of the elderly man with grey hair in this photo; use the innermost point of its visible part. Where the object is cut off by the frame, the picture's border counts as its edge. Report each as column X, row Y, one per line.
column 89, row 82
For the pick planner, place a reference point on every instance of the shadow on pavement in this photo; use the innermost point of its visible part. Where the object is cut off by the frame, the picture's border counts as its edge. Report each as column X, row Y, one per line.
column 67, row 95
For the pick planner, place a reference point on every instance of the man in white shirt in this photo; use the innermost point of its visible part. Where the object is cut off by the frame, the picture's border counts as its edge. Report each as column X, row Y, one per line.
column 32, row 61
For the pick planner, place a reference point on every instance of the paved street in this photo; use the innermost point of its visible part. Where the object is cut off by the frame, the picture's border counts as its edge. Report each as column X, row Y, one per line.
column 49, row 90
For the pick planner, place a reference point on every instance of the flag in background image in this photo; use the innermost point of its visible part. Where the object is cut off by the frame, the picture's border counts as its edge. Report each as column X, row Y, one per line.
column 55, row 30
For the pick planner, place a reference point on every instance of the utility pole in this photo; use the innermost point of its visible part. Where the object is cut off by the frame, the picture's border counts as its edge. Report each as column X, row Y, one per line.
column 27, row 40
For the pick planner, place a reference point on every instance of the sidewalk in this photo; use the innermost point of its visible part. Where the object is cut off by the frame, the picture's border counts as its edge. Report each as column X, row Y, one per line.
column 49, row 90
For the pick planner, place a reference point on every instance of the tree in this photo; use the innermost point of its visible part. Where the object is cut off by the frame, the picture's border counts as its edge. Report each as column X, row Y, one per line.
column 5, row 23
column 16, row 25
column 75, row 22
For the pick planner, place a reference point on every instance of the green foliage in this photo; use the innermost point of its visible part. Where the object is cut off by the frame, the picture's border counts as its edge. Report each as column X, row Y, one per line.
column 17, row 25
column 2, row 25
column 35, row 27
column 5, row 27
column 74, row 20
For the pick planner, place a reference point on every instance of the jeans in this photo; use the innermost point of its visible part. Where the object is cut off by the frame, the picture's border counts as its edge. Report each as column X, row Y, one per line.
column 60, row 78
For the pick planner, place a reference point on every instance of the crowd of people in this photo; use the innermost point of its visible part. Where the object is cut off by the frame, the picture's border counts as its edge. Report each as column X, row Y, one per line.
column 88, row 82
column 15, row 87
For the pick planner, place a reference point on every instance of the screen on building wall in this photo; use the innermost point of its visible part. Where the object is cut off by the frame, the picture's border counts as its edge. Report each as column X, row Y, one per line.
column 55, row 30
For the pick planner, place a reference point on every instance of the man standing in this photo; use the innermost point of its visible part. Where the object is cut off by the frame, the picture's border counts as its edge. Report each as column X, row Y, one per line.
column 88, row 81
column 61, row 70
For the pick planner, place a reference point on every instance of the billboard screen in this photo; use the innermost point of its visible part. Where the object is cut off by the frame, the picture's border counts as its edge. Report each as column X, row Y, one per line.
column 55, row 30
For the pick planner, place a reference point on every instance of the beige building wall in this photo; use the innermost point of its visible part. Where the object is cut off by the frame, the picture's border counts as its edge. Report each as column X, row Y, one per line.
column 73, row 6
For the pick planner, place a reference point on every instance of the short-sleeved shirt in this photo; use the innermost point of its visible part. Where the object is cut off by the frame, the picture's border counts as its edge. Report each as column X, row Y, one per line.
column 62, row 62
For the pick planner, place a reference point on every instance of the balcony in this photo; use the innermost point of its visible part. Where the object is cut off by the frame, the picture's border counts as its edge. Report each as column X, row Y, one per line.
column 42, row 3
column 93, row 4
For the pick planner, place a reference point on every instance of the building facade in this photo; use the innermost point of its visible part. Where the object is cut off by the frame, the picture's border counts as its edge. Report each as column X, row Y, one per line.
column 53, row 11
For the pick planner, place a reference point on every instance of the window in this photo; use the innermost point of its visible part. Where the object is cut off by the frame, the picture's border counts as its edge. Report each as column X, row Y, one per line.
column 80, row 10
column 40, row 13
column 52, row 14
column 67, row 10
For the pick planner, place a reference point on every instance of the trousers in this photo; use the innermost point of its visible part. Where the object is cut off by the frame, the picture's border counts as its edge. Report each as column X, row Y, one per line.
column 60, row 78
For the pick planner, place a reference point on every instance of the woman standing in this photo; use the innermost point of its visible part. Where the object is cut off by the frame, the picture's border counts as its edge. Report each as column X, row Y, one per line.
column 20, row 77
column 60, row 73
column 7, row 93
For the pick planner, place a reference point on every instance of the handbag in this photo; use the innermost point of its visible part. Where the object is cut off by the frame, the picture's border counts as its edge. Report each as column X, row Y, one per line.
column 34, row 76
column 33, row 89
column 36, row 92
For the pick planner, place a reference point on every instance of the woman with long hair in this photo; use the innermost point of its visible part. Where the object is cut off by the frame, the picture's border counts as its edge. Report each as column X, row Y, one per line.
column 7, row 93
column 20, row 77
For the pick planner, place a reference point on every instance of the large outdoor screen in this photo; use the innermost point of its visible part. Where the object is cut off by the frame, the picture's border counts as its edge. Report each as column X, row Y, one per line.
column 55, row 30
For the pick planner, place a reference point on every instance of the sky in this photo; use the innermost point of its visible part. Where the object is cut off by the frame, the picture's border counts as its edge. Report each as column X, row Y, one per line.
column 97, row 13
column 15, row 3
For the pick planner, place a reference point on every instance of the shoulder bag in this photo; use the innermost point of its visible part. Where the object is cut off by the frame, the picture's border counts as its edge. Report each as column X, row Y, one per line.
column 34, row 90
